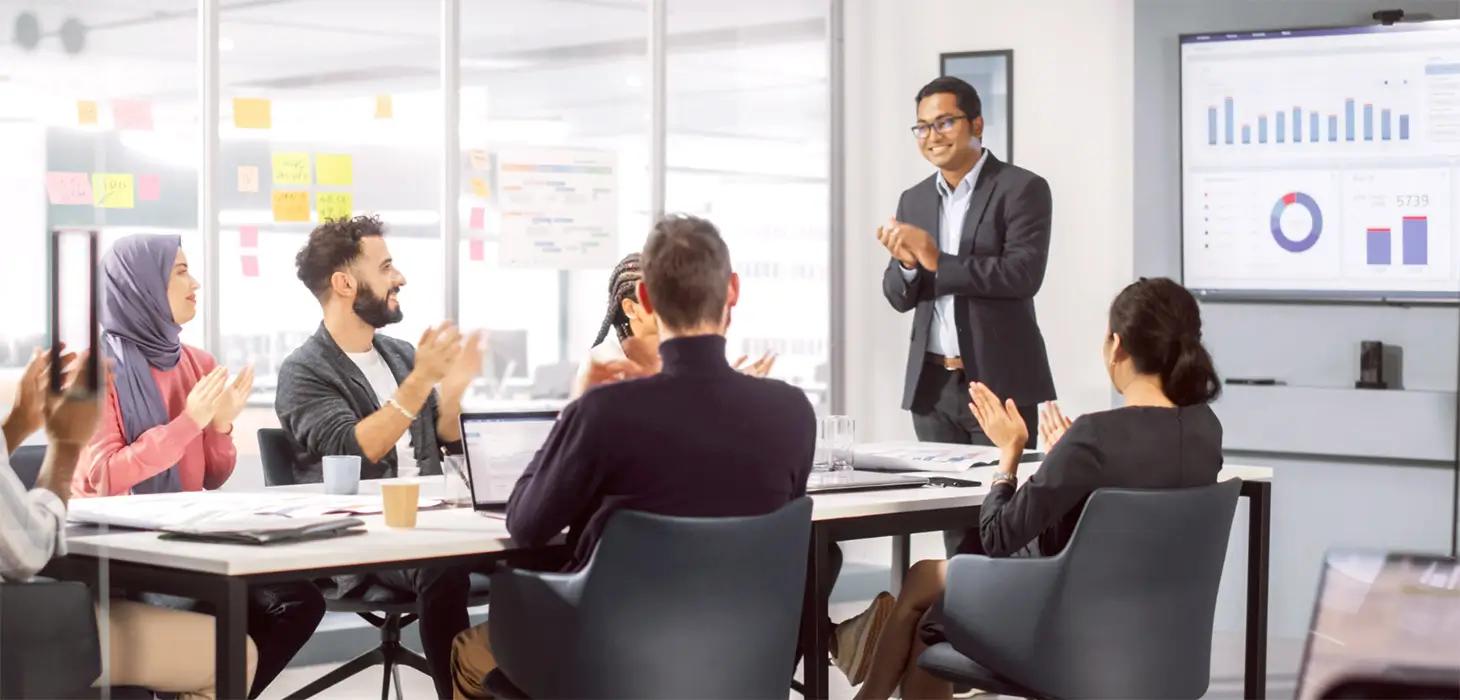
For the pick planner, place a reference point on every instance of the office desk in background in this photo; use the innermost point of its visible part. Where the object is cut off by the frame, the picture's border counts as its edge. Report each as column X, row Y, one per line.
column 220, row 574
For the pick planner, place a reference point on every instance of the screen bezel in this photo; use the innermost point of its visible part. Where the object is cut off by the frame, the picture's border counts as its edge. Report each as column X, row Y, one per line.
column 500, row 417
column 92, row 367
column 1291, row 296
column 1323, row 580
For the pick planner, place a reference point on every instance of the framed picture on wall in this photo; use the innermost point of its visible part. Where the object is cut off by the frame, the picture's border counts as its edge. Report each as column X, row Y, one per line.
column 992, row 74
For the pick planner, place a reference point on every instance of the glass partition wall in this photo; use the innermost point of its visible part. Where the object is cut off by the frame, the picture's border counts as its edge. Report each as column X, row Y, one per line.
column 515, row 150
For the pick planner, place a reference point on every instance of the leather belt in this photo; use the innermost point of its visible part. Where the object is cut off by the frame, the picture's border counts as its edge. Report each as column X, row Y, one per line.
column 948, row 363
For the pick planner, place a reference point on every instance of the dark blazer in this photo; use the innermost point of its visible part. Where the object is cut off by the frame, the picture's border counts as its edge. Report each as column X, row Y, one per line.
column 998, row 269
column 322, row 395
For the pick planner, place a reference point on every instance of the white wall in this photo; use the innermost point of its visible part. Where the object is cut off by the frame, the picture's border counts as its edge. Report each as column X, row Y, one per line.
column 1072, row 114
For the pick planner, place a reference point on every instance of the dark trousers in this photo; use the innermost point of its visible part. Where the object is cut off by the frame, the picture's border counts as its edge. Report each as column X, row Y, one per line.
column 281, row 619
column 441, row 596
column 940, row 413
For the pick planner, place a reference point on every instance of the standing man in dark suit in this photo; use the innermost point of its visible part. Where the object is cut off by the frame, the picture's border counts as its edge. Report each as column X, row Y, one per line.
column 969, row 246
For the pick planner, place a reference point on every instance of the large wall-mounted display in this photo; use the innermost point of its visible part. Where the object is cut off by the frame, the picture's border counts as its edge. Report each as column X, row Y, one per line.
column 1322, row 163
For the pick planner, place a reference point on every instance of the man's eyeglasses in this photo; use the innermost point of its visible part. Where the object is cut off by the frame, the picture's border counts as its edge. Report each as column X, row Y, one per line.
column 942, row 125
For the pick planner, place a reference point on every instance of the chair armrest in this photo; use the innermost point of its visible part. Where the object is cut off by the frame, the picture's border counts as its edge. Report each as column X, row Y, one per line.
column 51, row 648
column 993, row 608
column 533, row 622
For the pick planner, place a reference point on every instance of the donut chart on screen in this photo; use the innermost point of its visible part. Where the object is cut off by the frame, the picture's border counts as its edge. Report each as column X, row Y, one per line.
column 1288, row 243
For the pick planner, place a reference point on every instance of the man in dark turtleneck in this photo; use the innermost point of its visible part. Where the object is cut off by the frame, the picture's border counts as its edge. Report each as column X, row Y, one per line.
column 697, row 439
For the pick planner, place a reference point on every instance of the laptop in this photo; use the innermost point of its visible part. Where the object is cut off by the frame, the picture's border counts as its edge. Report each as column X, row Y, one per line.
column 833, row 482
column 1385, row 625
column 499, row 446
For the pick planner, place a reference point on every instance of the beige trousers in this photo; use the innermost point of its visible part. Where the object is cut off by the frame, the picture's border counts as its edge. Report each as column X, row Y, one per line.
column 169, row 651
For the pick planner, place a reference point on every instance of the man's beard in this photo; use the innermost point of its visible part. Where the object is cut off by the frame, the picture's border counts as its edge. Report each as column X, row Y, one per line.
column 375, row 309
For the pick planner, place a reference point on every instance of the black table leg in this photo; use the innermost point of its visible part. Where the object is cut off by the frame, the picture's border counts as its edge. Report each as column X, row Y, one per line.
column 231, row 639
column 814, row 613
column 901, row 560
column 1259, row 534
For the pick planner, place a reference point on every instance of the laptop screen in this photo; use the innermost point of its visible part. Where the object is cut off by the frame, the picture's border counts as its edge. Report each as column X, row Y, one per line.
column 499, row 447
column 1382, row 620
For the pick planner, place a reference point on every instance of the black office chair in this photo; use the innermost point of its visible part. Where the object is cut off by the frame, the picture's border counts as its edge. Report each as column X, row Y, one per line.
column 1125, row 611
column 26, row 461
column 666, row 608
column 384, row 608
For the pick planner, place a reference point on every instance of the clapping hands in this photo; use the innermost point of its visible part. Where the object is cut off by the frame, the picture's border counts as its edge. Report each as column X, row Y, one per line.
column 215, row 402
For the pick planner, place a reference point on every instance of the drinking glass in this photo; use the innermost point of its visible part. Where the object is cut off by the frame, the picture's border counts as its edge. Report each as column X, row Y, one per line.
column 844, row 440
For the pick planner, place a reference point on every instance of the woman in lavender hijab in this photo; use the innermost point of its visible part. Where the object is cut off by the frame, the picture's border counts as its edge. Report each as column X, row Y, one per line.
column 167, row 422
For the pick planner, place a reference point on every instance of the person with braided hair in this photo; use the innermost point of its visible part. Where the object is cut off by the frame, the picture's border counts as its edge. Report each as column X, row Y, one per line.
column 632, row 348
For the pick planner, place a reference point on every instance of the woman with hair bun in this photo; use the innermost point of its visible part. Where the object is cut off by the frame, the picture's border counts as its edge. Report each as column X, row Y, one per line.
column 1164, row 437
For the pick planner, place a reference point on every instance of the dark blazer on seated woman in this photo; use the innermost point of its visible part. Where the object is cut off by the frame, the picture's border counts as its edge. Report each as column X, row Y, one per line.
column 1138, row 447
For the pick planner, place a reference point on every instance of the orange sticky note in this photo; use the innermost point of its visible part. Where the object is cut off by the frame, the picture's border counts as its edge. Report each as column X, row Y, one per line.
column 132, row 115
column 479, row 159
column 85, row 112
column 290, row 205
column 149, row 188
column 248, row 178
column 68, row 188
column 250, row 266
column 479, row 188
column 384, row 109
column 252, row 113
column 478, row 218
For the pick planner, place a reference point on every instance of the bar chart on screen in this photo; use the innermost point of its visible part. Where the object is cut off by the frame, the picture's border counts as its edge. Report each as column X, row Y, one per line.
column 1398, row 224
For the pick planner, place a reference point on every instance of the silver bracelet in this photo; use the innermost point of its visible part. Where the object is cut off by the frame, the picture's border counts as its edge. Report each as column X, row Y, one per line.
column 396, row 405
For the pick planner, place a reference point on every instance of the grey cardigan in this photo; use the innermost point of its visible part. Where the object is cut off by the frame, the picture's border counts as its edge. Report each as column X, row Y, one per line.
column 322, row 395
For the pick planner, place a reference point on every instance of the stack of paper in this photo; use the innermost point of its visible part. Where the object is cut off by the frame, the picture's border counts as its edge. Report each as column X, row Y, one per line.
column 922, row 457
column 186, row 510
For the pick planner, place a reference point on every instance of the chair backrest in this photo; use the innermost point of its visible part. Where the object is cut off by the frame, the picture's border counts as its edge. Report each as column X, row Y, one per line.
column 693, row 607
column 27, row 461
column 1131, row 614
column 278, row 457
column 50, row 643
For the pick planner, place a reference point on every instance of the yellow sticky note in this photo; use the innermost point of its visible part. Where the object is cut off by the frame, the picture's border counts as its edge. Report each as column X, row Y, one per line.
column 113, row 191
column 85, row 112
column 479, row 188
column 292, row 169
column 333, row 205
column 384, row 109
column 252, row 113
column 291, row 205
column 335, row 169
column 479, row 160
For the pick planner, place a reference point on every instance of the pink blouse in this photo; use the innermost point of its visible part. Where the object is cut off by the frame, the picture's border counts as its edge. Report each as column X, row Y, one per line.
column 204, row 457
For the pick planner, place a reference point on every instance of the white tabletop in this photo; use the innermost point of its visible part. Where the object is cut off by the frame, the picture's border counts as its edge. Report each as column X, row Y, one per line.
column 460, row 531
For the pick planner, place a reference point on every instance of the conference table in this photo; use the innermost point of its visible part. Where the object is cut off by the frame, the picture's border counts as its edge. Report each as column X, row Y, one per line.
column 219, row 574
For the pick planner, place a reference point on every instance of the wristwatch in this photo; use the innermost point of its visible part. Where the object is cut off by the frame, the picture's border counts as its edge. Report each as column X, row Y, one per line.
column 1005, row 477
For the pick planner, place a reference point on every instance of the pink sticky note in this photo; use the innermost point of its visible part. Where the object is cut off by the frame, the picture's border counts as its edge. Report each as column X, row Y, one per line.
column 68, row 188
column 478, row 250
column 248, row 236
column 149, row 188
column 250, row 266
column 478, row 218
column 132, row 115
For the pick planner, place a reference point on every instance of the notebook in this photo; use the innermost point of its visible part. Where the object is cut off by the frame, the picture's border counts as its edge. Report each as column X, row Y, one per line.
column 266, row 529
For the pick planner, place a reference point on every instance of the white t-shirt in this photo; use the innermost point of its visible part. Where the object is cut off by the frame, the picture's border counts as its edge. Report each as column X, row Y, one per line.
column 373, row 366
column 609, row 350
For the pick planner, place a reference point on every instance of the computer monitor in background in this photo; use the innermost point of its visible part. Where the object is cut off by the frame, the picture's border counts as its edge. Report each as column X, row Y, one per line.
column 1384, row 625
column 506, row 356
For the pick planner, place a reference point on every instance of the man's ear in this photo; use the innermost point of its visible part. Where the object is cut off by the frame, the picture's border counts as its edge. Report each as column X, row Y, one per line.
column 343, row 284
column 643, row 293
column 976, row 127
column 732, row 297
